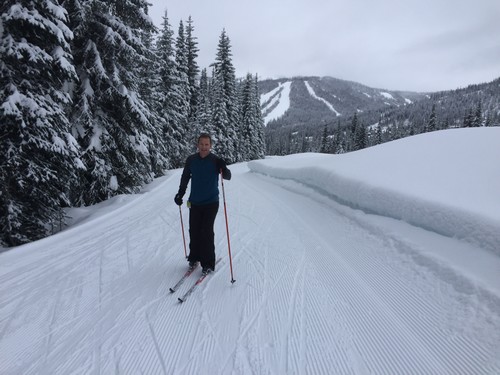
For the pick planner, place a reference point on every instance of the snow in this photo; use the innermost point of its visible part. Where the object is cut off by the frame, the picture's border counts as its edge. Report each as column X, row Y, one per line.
column 405, row 183
column 113, row 183
column 387, row 95
column 331, row 275
column 313, row 94
column 280, row 95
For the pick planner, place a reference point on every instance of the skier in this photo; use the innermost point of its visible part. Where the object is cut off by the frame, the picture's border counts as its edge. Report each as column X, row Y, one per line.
column 203, row 170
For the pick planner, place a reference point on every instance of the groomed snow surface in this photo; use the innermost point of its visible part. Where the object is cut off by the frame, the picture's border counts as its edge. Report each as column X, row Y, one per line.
column 280, row 99
column 382, row 261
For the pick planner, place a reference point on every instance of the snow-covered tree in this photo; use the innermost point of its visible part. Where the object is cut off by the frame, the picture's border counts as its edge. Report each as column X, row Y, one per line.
column 468, row 119
column 360, row 137
column 111, row 121
column 183, row 91
column 225, row 107
column 172, row 98
column 259, row 139
column 431, row 125
column 39, row 158
column 478, row 116
column 204, row 107
column 192, row 69
column 148, row 88
column 251, row 133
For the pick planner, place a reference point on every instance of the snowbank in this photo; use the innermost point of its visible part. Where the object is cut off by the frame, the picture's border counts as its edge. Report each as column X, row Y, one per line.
column 446, row 181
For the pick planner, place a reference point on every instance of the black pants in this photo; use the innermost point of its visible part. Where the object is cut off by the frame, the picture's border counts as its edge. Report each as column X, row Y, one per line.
column 201, row 234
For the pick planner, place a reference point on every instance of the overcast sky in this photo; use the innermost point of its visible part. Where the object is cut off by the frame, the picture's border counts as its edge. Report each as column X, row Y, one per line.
column 416, row 45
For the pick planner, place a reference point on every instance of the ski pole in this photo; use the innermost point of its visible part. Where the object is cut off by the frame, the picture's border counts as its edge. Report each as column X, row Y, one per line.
column 227, row 228
column 183, row 237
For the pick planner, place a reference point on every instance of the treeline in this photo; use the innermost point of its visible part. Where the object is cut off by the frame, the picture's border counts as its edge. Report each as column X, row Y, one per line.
column 473, row 106
column 95, row 101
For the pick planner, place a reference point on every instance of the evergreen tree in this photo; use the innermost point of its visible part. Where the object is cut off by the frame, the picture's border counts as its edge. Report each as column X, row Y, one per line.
column 171, row 98
column 431, row 125
column 149, row 91
column 251, row 135
column 378, row 134
column 112, row 123
column 468, row 119
column 246, row 131
column 324, row 141
column 39, row 157
column 351, row 140
column 259, row 139
column 182, row 98
column 477, row 120
column 360, row 137
column 192, row 69
column 224, row 108
column 488, row 121
column 204, row 112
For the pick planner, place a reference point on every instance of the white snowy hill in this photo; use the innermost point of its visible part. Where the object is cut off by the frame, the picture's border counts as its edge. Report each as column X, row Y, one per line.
column 314, row 100
column 383, row 261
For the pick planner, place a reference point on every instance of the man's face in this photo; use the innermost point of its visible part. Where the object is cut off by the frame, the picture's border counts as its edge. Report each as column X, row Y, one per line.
column 204, row 146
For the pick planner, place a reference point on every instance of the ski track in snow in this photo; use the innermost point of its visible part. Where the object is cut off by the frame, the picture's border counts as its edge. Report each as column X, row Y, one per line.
column 326, row 102
column 320, row 290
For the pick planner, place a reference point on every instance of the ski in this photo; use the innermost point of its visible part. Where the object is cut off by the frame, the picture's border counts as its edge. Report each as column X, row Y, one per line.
column 193, row 287
column 183, row 278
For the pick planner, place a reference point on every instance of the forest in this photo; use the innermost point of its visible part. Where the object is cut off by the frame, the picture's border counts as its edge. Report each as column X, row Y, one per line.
column 96, row 101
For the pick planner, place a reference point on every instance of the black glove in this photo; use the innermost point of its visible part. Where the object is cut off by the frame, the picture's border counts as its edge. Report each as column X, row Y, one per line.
column 221, row 164
column 178, row 199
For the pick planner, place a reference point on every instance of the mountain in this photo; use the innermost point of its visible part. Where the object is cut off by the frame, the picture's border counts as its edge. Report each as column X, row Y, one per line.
column 368, row 262
column 319, row 100
column 302, row 107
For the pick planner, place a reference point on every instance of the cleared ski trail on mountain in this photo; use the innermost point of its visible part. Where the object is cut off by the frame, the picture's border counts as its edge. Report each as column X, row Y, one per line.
column 320, row 289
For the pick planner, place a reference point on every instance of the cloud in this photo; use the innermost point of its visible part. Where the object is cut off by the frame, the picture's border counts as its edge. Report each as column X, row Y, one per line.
column 415, row 45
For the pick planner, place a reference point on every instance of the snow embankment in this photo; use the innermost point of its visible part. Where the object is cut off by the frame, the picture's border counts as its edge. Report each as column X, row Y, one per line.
column 447, row 181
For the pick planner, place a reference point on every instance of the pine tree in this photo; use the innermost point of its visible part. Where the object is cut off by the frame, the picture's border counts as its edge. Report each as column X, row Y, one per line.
column 39, row 157
column 324, row 141
column 171, row 97
column 360, row 137
column 192, row 70
column 251, row 131
column 378, row 134
column 246, row 131
column 182, row 99
column 487, row 121
column 204, row 112
column 259, row 139
column 477, row 119
column 149, row 91
column 112, row 123
column 224, row 108
column 468, row 119
column 431, row 125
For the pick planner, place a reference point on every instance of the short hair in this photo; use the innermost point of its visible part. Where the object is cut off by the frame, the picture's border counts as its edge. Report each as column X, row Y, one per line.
column 205, row 135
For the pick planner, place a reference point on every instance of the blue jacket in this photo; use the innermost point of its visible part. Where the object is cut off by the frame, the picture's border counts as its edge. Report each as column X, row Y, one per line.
column 204, row 176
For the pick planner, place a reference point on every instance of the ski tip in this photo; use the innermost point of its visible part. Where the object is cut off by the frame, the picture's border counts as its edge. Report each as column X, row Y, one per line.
column 180, row 300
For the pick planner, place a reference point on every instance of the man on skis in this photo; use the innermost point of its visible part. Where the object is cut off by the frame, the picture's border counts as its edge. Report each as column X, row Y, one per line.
column 203, row 169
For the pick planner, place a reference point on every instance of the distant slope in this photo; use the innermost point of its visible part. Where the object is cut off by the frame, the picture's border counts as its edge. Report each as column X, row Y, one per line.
column 316, row 100
column 276, row 102
column 318, row 104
